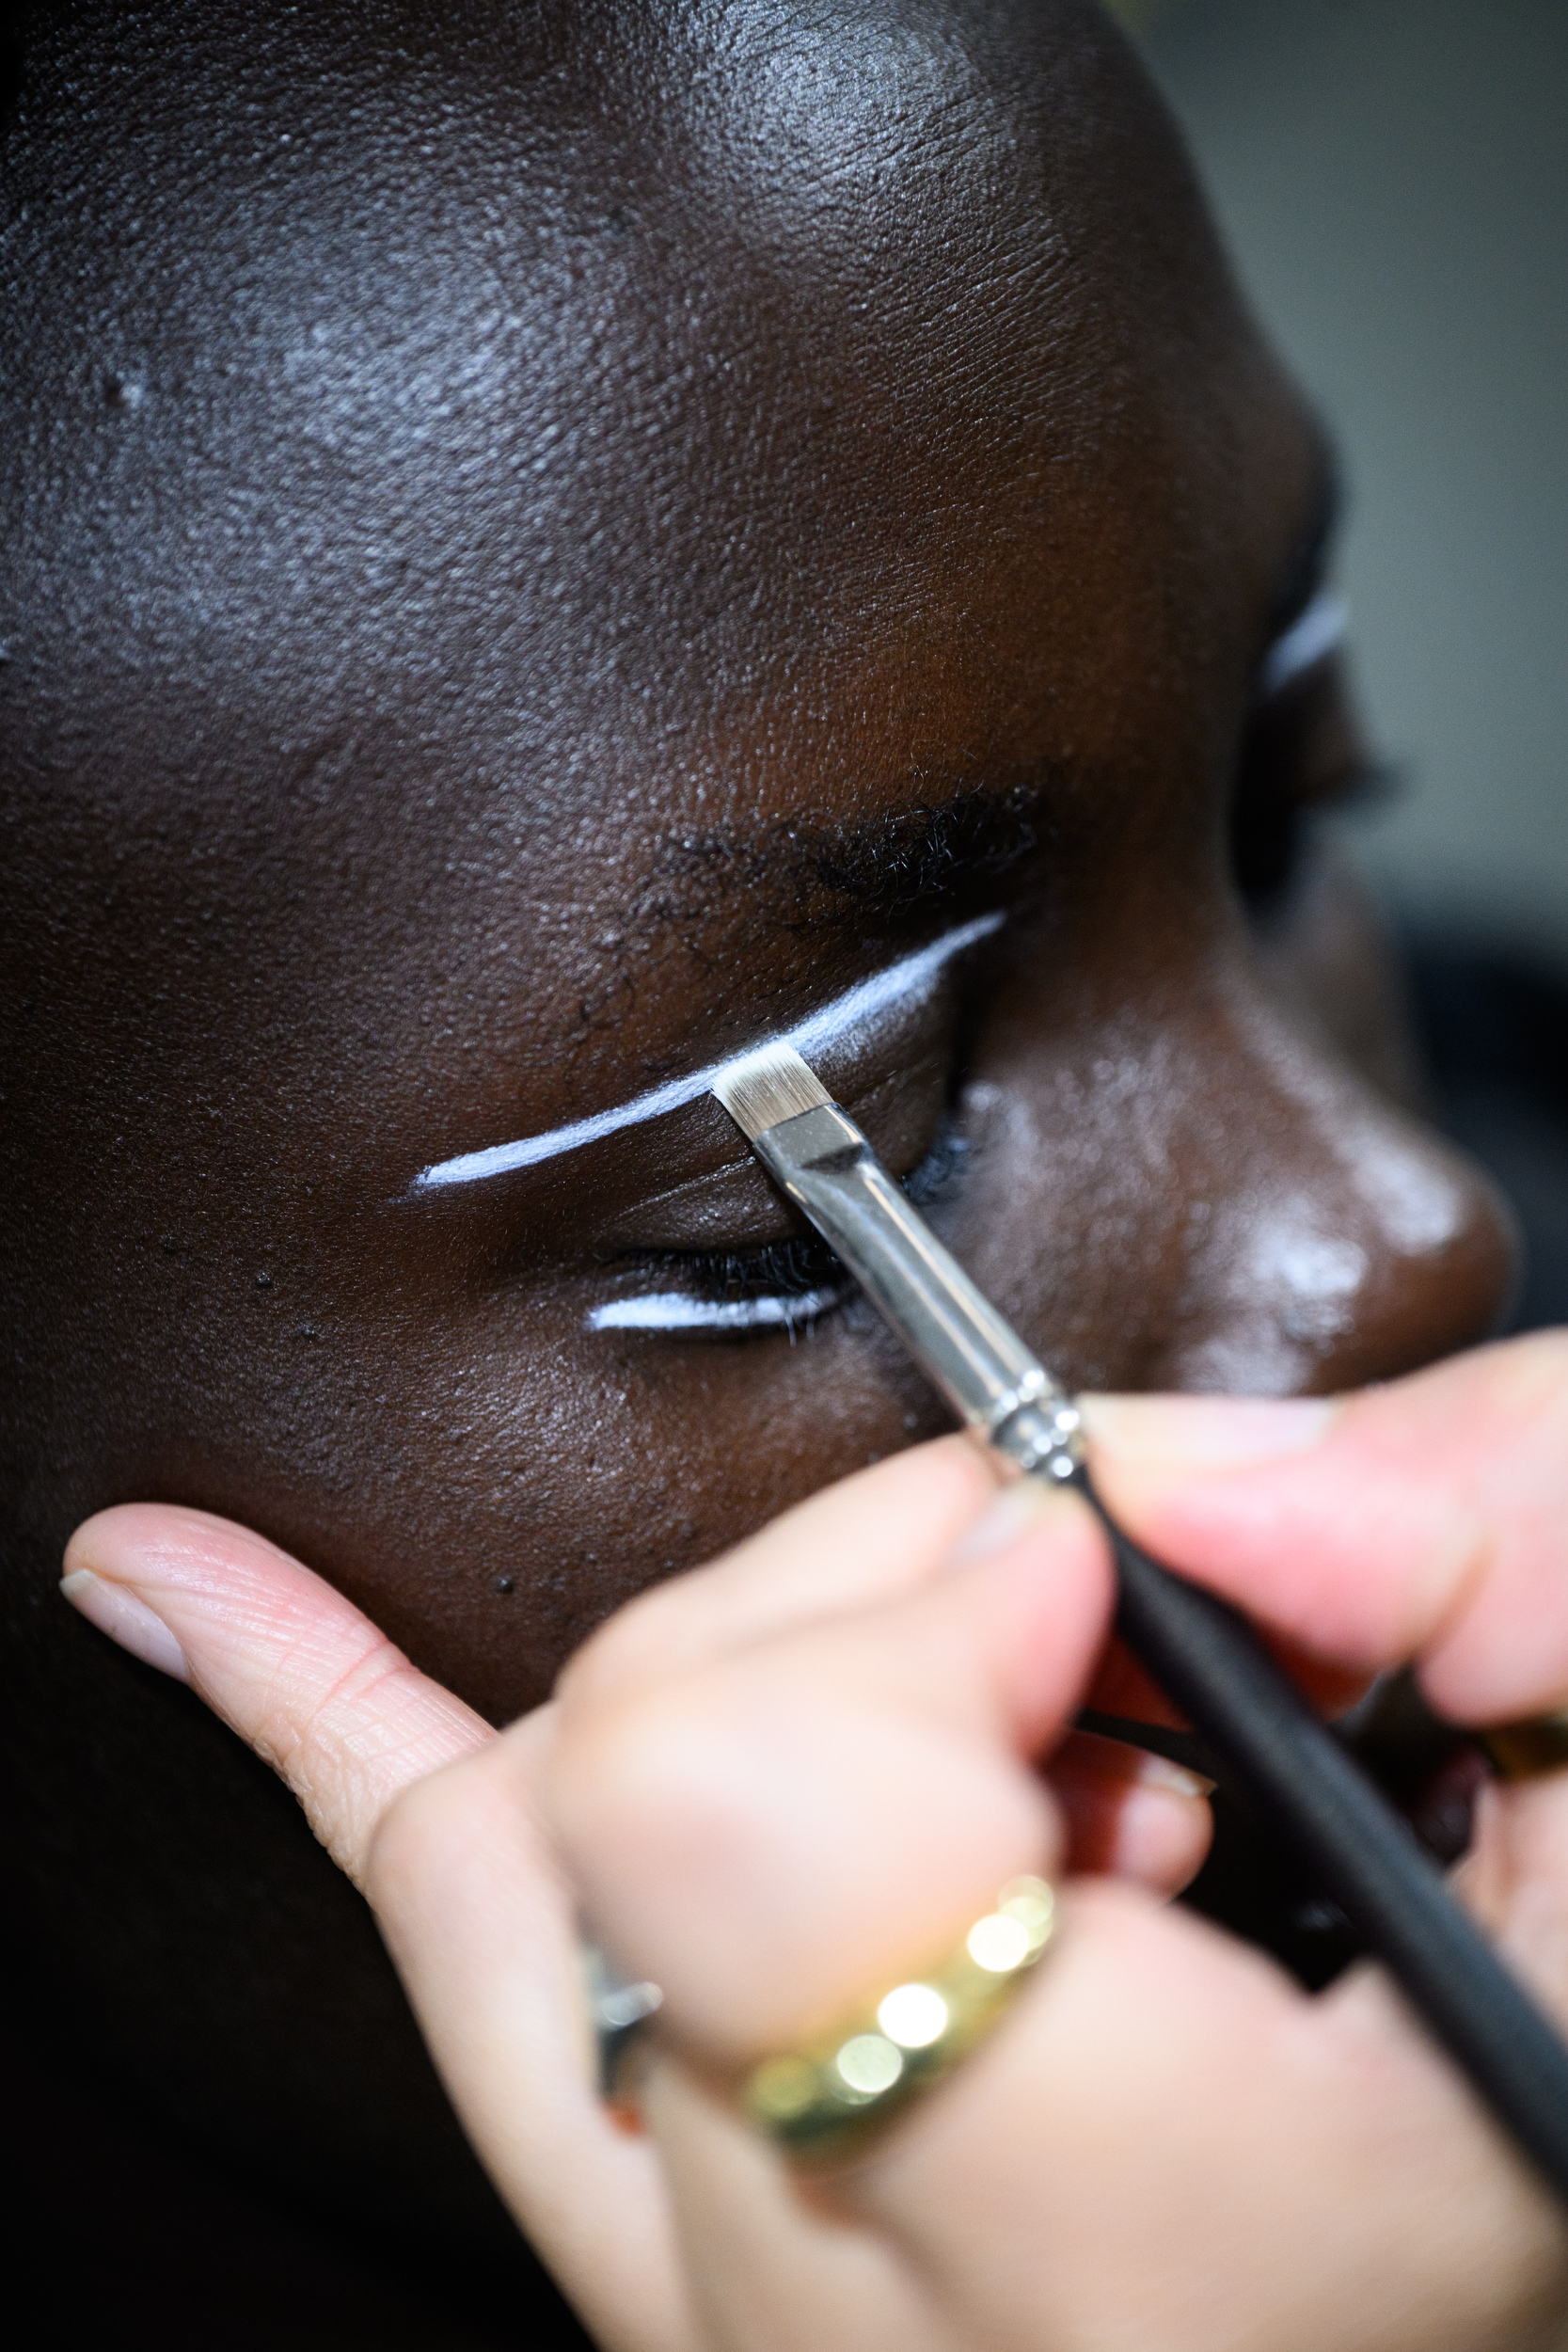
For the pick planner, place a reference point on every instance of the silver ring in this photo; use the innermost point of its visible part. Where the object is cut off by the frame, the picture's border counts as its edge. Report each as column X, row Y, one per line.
column 620, row 2008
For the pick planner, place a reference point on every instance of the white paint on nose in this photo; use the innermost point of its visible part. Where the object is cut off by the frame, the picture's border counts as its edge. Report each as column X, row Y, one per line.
column 1313, row 1277
column 1419, row 1205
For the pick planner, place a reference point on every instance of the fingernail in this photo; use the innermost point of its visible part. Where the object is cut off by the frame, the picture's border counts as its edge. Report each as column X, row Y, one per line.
column 1018, row 1507
column 1158, row 1772
column 1209, row 1431
column 126, row 1619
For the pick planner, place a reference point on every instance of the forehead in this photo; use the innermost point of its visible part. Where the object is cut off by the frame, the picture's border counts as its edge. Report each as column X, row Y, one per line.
column 465, row 462
column 509, row 365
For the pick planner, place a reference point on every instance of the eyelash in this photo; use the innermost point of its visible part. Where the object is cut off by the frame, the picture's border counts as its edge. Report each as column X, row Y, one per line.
column 1271, row 827
column 782, row 1285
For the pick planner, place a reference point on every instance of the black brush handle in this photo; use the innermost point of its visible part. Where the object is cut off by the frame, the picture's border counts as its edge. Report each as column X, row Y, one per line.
column 1207, row 1657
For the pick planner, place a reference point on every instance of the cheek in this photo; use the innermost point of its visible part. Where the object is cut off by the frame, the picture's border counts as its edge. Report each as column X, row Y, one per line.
column 592, row 1464
column 484, row 1476
column 489, row 1481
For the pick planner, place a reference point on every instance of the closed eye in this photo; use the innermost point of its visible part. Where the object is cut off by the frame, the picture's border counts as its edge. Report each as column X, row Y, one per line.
column 771, row 1289
column 1302, row 754
column 782, row 1286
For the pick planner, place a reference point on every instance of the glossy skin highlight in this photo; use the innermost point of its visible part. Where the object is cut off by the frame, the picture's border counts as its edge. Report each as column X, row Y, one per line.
column 545, row 550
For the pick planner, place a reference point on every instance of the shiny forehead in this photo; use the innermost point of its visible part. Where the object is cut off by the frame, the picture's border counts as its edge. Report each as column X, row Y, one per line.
column 501, row 381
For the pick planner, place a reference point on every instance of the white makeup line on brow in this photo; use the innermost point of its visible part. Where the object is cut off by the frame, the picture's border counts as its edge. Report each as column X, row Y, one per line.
column 1321, row 628
column 854, row 1012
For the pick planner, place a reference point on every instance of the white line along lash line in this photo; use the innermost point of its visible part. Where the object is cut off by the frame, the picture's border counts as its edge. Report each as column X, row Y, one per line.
column 1321, row 628
column 856, row 1009
column 677, row 1311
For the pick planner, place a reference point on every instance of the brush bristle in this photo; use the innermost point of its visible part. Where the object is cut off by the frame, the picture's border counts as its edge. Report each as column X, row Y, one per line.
column 766, row 1086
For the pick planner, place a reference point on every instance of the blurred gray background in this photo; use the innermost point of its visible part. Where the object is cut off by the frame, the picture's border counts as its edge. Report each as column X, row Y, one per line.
column 1393, row 177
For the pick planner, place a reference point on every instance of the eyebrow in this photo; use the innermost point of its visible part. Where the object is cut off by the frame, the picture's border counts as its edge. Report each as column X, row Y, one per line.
column 848, row 1018
column 891, row 871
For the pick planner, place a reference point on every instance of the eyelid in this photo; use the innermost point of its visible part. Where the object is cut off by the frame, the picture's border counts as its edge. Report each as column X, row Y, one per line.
column 771, row 1311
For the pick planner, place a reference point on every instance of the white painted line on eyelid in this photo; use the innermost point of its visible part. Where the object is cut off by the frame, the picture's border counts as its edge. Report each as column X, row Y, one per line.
column 1320, row 628
column 673, row 1310
column 854, row 1010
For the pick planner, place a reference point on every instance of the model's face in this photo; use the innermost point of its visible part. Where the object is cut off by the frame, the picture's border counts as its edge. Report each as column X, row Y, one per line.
column 479, row 655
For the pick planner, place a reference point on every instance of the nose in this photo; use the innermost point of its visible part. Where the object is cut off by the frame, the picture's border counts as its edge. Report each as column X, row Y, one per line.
column 1204, row 1196
column 1346, row 1242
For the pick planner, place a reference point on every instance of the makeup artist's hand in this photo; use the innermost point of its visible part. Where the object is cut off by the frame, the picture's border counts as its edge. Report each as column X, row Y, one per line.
column 780, row 1782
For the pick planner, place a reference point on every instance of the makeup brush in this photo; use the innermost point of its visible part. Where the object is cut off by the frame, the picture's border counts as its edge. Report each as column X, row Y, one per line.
column 1203, row 1653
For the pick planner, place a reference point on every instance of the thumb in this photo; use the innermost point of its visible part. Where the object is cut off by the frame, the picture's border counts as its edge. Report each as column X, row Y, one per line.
column 290, row 1665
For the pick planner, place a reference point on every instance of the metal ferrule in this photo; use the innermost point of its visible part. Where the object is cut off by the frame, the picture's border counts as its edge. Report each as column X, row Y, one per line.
column 821, row 1160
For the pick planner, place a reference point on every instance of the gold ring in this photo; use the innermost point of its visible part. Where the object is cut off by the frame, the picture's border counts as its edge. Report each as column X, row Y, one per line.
column 835, row 2091
column 1524, row 1750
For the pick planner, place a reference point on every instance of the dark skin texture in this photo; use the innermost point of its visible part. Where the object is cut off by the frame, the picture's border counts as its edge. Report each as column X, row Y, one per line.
column 545, row 543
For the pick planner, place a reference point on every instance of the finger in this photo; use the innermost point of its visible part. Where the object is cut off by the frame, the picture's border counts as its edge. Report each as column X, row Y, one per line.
column 415, row 1796
column 1218, row 2144
column 767, row 1870
column 764, row 1833
column 1422, row 1519
column 481, row 1925
column 290, row 1664
column 887, row 1530
column 1164, row 2142
column 1127, row 1814
column 761, row 2243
